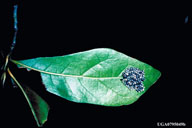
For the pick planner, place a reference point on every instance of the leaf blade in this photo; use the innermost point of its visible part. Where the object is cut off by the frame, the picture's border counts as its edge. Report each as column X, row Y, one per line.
column 90, row 77
column 38, row 106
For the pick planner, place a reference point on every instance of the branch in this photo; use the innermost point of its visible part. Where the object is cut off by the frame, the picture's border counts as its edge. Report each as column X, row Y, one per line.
column 7, row 58
column 15, row 29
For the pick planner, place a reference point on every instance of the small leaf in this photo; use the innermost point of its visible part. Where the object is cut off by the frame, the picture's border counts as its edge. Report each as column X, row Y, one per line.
column 40, row 107
column 93, row 76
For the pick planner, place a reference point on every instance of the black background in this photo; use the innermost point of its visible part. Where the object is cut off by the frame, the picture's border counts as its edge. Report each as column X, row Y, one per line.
column 154, row 33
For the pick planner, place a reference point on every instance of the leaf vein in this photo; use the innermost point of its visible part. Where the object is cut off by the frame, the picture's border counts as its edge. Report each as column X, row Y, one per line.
column 64, row 75
column 113, row 90
column 87, row 89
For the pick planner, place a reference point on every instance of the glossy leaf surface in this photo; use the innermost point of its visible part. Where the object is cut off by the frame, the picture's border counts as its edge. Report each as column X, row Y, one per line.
column 92, row 76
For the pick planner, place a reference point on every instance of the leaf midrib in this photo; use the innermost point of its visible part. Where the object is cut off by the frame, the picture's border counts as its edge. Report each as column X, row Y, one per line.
column 64, row 75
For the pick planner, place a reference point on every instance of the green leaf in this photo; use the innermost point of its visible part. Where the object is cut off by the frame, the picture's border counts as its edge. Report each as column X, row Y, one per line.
column 40, row 108
column 92, row 76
